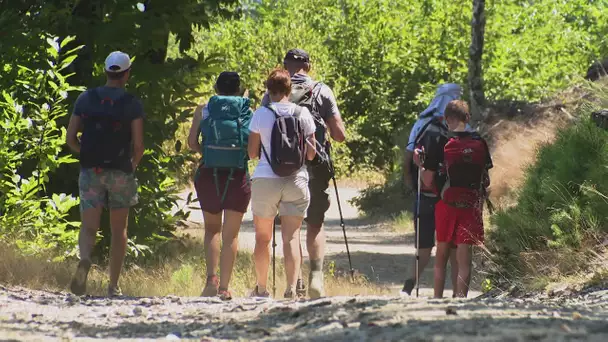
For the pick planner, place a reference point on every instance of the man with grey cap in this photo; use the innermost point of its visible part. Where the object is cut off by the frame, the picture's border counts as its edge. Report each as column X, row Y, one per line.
column 110, row 148
column 321, row 102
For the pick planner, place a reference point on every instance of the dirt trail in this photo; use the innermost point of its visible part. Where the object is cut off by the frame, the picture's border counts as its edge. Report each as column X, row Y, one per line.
column 27, row 315
column 386, row 258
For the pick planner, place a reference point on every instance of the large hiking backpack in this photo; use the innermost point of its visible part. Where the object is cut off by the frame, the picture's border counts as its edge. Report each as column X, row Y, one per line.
column 464, row 170
column 432, row 136
column 225, row 135
column 106, row 137
column 305, row 94
column 287, row 144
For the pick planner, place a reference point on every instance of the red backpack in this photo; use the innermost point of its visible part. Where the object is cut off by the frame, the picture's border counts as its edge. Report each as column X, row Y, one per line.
column 466, row 160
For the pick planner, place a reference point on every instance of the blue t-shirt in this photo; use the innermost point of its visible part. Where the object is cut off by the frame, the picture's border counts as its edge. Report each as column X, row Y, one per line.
column 106, row 115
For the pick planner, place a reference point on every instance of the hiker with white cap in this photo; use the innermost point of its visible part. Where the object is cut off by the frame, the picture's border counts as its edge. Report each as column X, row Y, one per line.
column 427, row 130
column 110, row 148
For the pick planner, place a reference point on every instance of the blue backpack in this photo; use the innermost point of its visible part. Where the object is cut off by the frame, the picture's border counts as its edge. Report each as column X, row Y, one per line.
column 225, row 134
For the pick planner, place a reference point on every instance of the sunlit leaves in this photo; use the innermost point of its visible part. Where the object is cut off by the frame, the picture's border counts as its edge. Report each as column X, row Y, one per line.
column 30, row 149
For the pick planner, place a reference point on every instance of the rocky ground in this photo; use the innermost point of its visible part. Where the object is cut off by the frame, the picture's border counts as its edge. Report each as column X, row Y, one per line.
column 27, row 315
column 386, row 258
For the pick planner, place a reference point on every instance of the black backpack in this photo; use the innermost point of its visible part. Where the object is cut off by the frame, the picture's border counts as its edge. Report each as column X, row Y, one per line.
column 106, row 135
column 303, row 94
column 434, row 133
column 287, row 144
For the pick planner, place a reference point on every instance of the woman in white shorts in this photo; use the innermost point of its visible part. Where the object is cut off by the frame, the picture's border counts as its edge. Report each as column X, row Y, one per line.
column 271, row 193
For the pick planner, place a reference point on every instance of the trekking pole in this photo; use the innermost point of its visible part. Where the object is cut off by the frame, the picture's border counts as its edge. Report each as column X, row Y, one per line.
column 333, row 177
column 418, row 236
column 274, row 248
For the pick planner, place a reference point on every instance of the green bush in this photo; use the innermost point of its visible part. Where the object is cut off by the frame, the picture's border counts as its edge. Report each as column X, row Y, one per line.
column 31, row 144
column 384, row 58
column 562, row 204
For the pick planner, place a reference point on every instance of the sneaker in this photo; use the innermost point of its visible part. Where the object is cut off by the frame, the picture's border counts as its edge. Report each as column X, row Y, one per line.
column 408, row 286
column 224, row 294
column 212, row 286
column 315, row 286
column 79, row 280
column 300, row 288
column 256, row 293
column 114, row 291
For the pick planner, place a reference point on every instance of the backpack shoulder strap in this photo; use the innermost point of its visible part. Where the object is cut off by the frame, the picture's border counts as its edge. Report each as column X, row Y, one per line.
column 316, row 97
column 276, row 115
column 93, row 94
column 297, row 111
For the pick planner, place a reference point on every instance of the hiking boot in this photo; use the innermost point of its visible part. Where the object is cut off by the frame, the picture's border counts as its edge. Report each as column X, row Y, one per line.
column 114, row 291
column 224, row 294
column 300, row 289
column 257, row 293
column 315, row 286
column 212, row 286
column 408, row 286
column 79, row 280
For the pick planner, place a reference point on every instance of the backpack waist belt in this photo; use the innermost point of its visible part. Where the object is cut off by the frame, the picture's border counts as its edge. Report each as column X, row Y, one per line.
column 459, row 204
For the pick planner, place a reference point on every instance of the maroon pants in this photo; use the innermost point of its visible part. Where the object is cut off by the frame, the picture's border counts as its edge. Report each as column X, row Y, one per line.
column 237, row 196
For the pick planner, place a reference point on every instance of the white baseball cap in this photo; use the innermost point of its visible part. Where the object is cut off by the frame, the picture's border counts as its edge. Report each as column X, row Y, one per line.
column 117, row 61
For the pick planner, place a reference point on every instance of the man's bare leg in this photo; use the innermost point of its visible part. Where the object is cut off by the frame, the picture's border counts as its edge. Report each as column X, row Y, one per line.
column 315, row 242
column 86, row 241
column 118, row 248
column 464, row 254
column 441, row 261
column 453, row 270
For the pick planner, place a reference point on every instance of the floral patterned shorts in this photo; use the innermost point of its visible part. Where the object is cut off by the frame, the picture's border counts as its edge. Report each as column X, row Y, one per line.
column 113, row 189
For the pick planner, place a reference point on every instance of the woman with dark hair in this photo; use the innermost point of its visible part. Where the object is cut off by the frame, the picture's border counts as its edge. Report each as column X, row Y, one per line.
column 222, row 180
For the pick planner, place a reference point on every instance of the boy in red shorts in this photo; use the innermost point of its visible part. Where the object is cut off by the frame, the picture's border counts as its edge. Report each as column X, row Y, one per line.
column 461, row 180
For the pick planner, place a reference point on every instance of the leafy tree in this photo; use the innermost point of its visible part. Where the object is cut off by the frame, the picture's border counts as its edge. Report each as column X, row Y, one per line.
column 165, row 85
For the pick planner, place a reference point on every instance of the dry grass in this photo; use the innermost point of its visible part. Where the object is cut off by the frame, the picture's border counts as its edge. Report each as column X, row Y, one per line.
column 181, row 274
column 403, row 223
column 516, row 137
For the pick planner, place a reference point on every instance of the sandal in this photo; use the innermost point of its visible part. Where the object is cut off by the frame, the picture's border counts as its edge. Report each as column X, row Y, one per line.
column 211, row 288
column 224, row 294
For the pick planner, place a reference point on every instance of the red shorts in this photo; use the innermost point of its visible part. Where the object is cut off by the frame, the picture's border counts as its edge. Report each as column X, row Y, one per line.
column 458, row 225
column 237, row 196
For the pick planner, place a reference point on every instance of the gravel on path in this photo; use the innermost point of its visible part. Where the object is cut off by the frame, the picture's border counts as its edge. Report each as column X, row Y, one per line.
column 27, row 315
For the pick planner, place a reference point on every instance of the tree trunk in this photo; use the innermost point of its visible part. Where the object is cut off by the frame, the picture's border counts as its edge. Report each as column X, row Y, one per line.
column 478, row 24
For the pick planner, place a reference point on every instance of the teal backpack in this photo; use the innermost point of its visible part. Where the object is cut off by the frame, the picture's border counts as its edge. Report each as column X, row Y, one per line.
column 225, row 134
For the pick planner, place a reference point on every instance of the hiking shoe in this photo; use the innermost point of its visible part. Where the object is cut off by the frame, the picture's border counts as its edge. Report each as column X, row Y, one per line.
column 408, row 286
column 300, row 288
column 224, row 294
column 212, row 286
column 114, row 291
column 257, row 293
column 79, row 280
column 315, row 286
